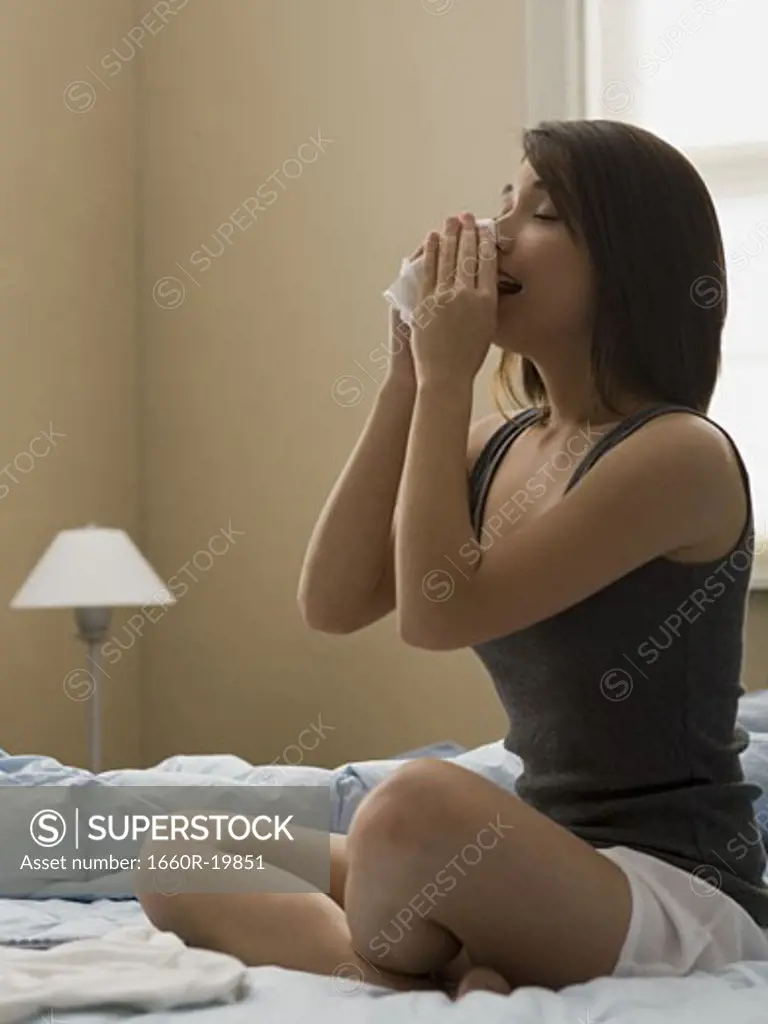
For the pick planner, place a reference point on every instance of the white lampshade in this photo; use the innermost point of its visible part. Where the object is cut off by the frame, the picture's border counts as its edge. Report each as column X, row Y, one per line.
column 93, row 567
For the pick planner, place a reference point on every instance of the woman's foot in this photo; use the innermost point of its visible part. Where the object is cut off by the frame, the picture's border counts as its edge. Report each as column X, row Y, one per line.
column 482, row 979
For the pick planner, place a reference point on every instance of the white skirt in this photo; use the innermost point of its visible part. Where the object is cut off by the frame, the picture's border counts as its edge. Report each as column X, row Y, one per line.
column 680, row 922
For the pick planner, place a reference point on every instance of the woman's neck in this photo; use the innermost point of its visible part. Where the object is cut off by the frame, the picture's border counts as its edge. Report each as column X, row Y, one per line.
column 574, row 402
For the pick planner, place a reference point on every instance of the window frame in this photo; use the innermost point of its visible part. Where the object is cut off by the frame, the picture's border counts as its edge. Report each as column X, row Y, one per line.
column 556, row 83
column 556, row 79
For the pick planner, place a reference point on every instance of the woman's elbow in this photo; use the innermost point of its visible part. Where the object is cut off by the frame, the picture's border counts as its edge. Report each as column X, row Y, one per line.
column 424, row 637
column 320, row 621
column 321, row 617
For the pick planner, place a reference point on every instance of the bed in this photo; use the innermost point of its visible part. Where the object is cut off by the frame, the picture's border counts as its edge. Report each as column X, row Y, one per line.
column 276, row 996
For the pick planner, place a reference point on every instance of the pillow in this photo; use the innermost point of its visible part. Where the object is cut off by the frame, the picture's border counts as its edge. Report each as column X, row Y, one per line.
column 754, row 762
column 753, row 711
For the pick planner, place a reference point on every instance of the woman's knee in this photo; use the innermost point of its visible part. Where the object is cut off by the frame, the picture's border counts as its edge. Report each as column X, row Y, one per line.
column 409, row 807
column 163, row 892
column 427, row 807
column 159, row 908
column 193, row 917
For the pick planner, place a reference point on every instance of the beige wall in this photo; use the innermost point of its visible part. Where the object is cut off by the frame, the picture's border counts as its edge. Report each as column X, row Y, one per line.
column 196, row 412
column 424, row 111
column 756, row 663
column 68, row 220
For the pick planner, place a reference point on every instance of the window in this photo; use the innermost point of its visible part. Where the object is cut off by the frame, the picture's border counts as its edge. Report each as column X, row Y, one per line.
column 693, row 72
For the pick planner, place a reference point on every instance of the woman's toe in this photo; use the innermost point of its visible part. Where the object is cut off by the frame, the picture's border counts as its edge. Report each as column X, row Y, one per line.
column 482, row 979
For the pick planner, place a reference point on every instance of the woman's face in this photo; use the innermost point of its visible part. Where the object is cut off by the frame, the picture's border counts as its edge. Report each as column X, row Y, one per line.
column 555, row 303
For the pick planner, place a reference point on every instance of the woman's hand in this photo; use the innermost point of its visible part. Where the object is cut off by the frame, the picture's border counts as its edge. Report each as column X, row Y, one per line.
column 456, row 321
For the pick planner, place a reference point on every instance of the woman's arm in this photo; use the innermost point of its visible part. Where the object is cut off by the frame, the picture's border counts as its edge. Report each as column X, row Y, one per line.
column 348, row 577
column 670, row 485
column 344, row 581
column 435, row 522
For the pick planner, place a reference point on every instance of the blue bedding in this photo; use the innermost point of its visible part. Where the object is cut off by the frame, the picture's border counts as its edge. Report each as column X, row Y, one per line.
column 348, row 783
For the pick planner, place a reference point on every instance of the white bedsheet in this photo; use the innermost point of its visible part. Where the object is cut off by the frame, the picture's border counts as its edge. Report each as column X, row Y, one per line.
column 738, row 995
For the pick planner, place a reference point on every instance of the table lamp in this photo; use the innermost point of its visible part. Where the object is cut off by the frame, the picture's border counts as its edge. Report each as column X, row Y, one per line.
column 93, row 570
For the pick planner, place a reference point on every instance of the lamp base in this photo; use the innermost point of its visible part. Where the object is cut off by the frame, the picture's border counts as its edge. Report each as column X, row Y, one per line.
column 92, row 627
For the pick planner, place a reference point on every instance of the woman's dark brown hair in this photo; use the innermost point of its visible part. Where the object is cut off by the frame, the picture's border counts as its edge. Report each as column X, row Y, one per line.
column 651, row 230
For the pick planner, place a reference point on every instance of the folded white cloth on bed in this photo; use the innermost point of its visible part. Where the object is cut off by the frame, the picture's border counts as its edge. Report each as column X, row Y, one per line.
column 138, row 967
column 404, row 292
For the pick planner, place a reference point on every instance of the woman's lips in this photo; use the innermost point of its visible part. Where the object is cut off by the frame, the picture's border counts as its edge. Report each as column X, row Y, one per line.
column 508, row 285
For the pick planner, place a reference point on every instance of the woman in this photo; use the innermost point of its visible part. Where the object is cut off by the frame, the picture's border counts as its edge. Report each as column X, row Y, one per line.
column 595, row 551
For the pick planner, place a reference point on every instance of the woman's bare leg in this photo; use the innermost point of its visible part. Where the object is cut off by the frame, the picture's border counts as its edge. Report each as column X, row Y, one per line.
column 302, row 930
column 304, row 857
column 440, row 858
column 281, row 925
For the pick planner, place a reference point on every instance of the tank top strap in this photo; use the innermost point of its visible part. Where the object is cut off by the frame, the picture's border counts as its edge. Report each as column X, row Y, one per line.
column 489, row 459
column 622, row 430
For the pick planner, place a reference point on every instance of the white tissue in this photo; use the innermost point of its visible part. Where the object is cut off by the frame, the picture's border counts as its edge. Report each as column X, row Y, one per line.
column 404, row 292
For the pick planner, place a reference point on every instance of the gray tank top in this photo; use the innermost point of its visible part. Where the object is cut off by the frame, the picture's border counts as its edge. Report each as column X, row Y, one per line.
column 623, row 707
